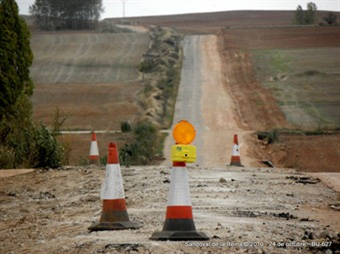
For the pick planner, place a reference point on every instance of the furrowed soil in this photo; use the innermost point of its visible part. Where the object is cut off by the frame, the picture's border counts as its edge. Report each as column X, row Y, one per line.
column 86, row 57
column 210, row 23
column 92, row 78
column 249, row 210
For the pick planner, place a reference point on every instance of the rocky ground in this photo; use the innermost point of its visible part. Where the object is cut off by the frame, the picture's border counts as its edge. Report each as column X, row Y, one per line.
column 242, row 210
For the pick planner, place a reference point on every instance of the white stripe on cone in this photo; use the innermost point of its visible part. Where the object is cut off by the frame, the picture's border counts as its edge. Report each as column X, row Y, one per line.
column 112, row 187
column 94, row 148
column 179, row 193
column 236, row 150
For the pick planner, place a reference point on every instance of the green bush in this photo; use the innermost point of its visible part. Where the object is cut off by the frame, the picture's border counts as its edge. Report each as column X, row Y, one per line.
column 125, row 126
column 271, row 136
column 49, row 152
column 7, row 157
column 146, row 66
column 143, row 150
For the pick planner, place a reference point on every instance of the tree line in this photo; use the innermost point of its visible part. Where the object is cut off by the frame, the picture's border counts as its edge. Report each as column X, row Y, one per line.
column 309, row 16
column 66, row 14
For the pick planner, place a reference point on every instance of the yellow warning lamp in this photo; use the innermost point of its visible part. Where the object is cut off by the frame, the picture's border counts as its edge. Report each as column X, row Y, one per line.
column 184, row 133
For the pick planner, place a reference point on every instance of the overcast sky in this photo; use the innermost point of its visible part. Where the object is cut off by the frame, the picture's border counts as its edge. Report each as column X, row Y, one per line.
column 114, row 8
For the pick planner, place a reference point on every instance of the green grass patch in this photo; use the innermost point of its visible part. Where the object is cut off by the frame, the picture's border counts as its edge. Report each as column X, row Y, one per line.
column 305, row 83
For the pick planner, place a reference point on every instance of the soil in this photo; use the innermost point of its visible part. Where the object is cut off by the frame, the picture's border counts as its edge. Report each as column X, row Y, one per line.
column 86, row 57
column 319, row 153
column 98, row 107
column 257, row 108
column 281, row 38
column 210, row 23
column 50, row 210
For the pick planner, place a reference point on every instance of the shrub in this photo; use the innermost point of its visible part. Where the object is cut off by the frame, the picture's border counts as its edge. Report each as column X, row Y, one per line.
column 7, row 157
column 146, row 66
column 271, row 136
column 125, row 126
column 142, row 151
column 49, row 152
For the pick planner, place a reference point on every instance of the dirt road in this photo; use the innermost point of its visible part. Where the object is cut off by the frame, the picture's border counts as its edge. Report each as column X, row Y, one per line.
column 49, row 211
column 203, row 100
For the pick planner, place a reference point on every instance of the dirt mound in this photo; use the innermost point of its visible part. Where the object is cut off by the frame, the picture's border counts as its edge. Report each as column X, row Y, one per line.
column 317, row 153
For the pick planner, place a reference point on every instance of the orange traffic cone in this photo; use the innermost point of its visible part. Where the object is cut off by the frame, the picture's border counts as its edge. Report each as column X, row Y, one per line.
column 179, row 223
column 235, row 157
column 94, row 154
column 114, row 214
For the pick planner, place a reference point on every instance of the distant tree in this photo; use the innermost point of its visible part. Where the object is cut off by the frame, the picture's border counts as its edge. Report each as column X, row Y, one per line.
column 330, row 18
column 310, row 14
column 299, row 17
column 307, row 17
column 66, row 14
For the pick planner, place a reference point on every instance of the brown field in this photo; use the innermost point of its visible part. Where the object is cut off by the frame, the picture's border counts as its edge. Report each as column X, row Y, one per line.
column 203, row 23
column 87, row 106
column 92, row 78
column 278, row 38
column 65, row 57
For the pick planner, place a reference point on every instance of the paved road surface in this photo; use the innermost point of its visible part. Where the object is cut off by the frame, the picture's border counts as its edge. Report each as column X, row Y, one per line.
column 204, row 101
column 189, row 94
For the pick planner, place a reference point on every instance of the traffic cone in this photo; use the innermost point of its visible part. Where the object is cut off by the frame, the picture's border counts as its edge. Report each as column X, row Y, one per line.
column 179, row 224
column 94, row 154
column 235, row 157
column 114, row 215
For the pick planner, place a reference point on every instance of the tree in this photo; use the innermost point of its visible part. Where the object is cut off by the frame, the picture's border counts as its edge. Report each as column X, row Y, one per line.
column 21, row 143
column 307, row 17
column 310, row 14
column 66, row 14
column 330, row 18
column 299, row 18
column 16, row 57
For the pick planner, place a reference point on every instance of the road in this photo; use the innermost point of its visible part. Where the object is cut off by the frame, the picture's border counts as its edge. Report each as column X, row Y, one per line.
column 48, row 211
column 204, row 101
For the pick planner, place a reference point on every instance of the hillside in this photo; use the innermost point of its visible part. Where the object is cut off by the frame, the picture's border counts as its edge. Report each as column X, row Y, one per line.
column 287, row 78
column 202, row 23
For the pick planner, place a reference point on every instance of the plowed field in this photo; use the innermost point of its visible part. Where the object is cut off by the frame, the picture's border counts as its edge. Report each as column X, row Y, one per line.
column 87, row 57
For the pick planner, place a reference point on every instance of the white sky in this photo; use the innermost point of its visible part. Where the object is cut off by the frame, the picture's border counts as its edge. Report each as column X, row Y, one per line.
column 114, row 8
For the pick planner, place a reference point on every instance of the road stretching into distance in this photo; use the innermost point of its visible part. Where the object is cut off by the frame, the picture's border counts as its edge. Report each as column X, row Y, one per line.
column 203, row 101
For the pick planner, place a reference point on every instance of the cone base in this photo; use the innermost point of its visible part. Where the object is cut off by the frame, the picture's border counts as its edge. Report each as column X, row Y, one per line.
column 94, row 162
column 118, row 225
column 237, row 164
column 179, row 236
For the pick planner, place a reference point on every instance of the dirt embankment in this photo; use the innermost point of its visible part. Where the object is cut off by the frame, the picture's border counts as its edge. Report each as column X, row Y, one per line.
column 50, row 211
column 159, row 71
column 256, row 106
